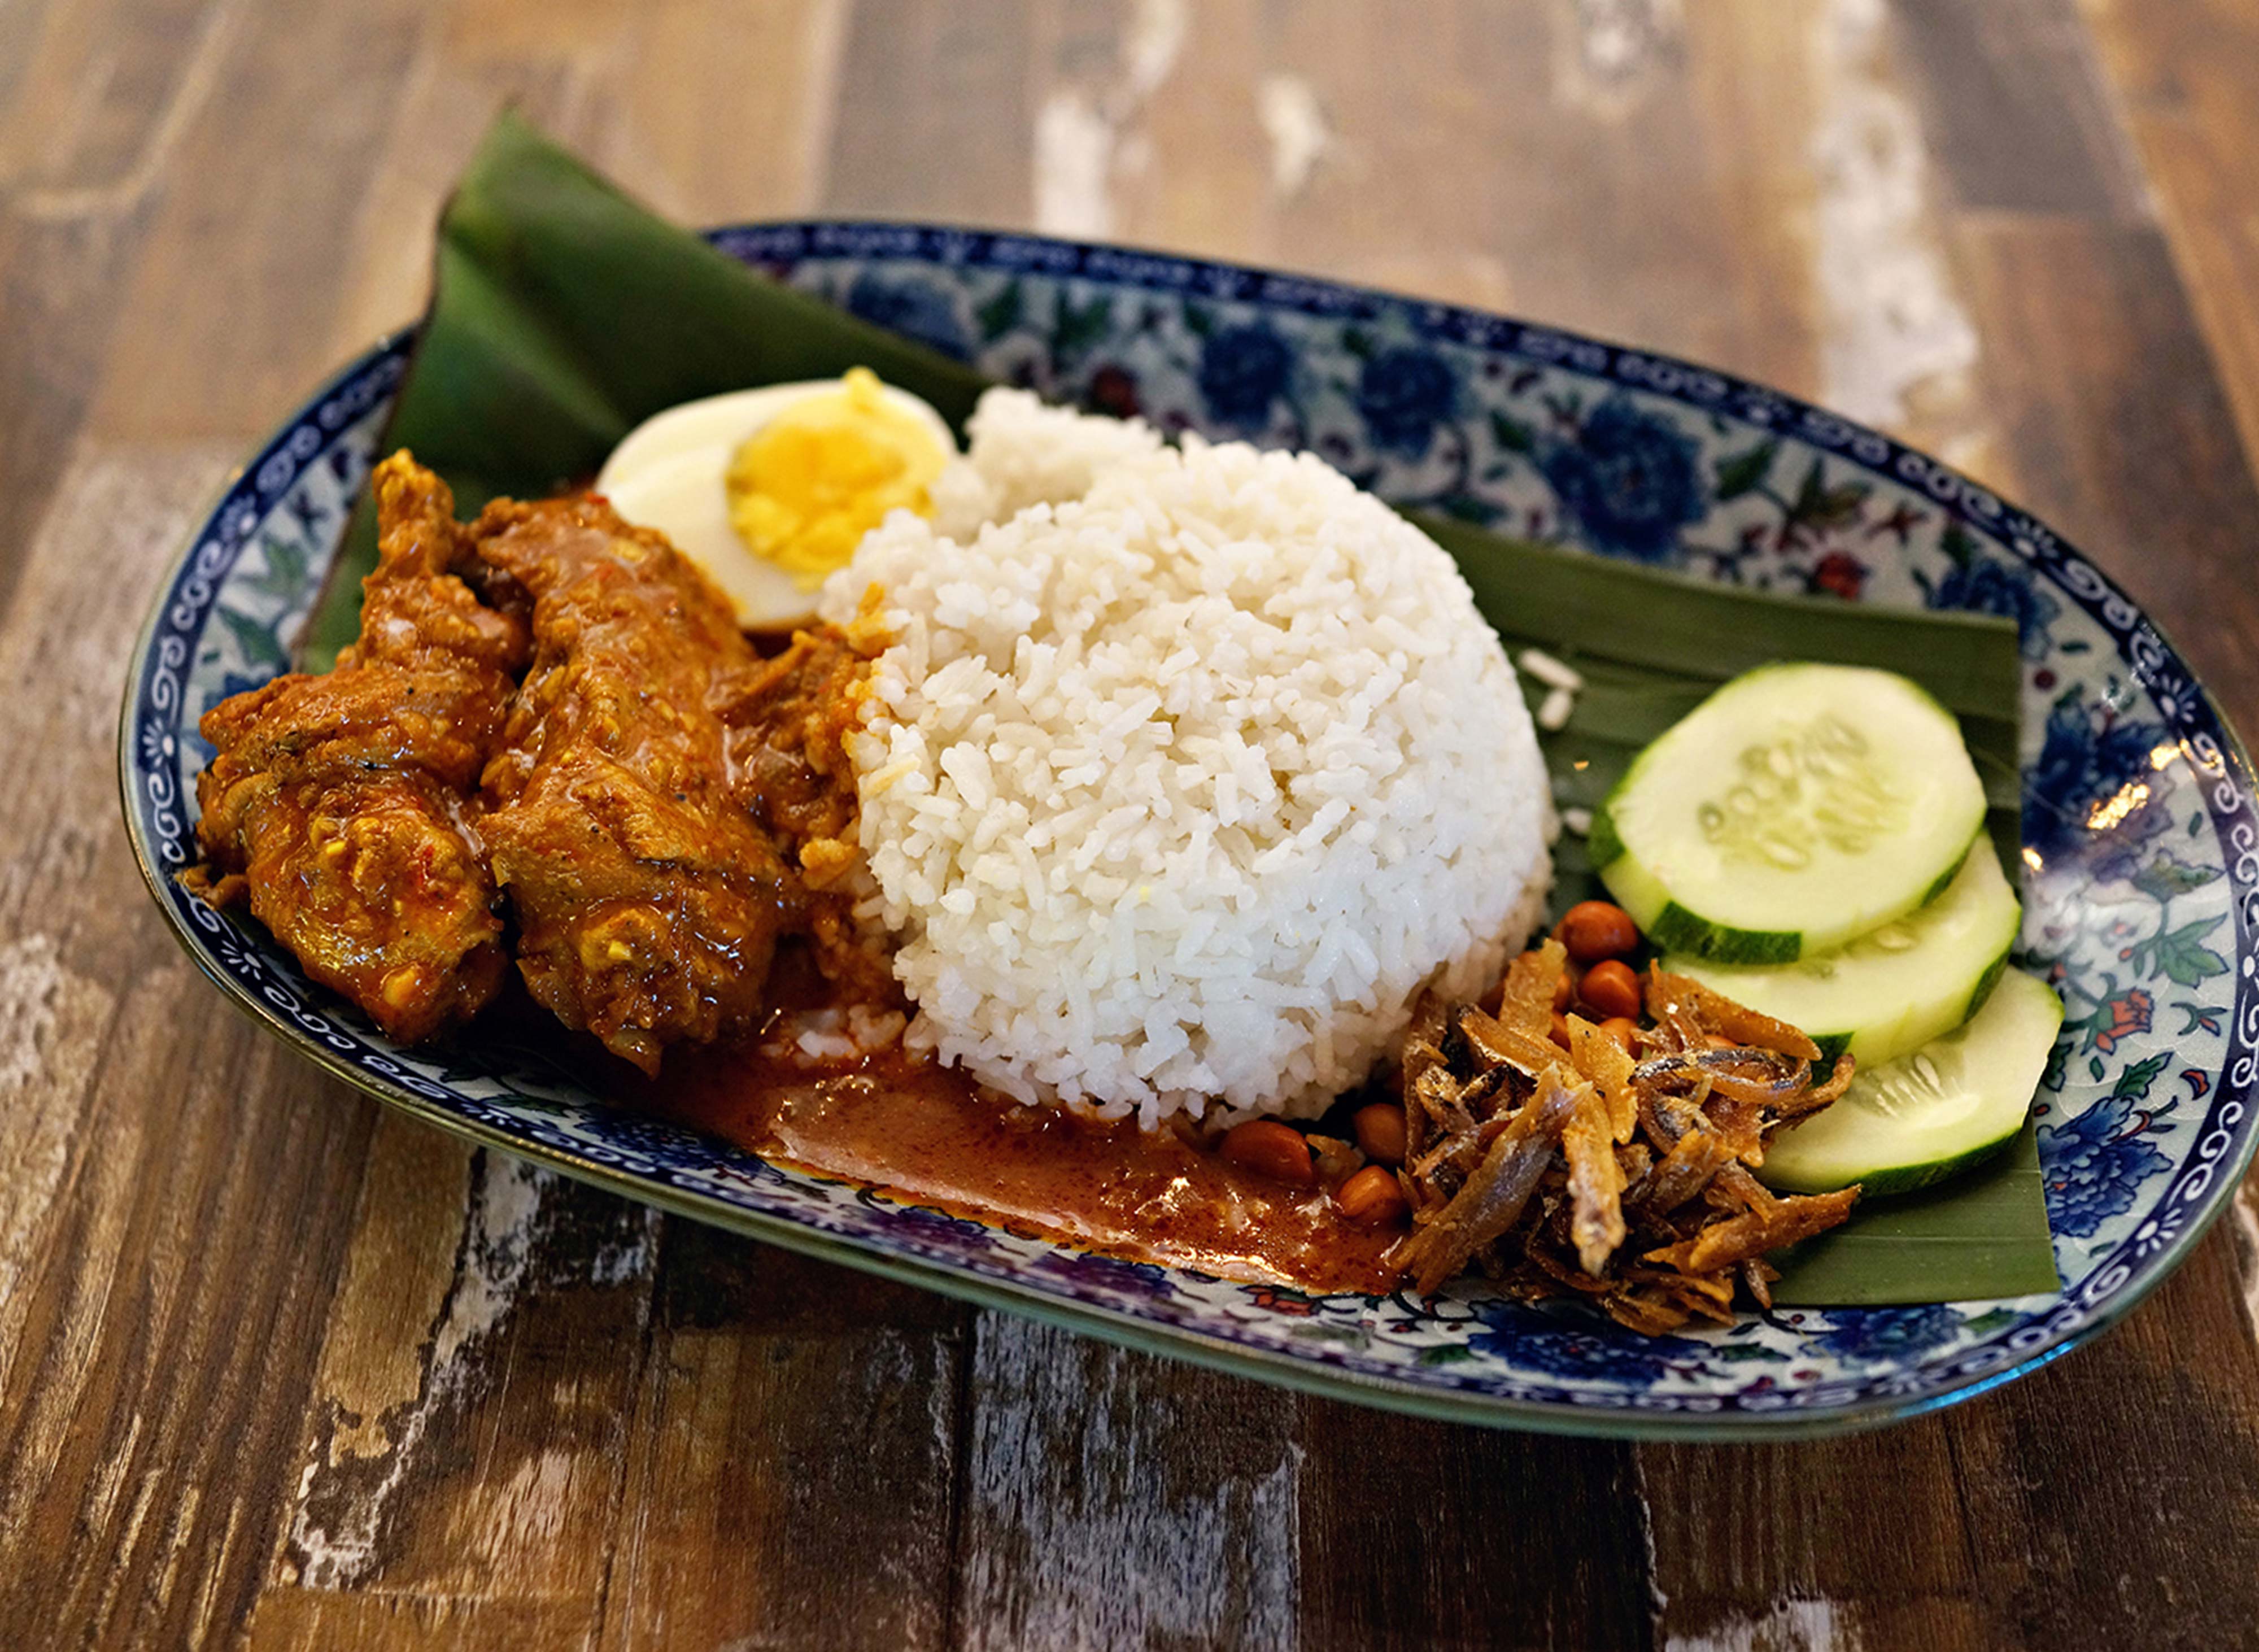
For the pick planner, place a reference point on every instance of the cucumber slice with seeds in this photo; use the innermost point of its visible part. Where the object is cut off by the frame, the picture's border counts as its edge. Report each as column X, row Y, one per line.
column 1918, row 1120
column 1797, row 808
column 1893, row 989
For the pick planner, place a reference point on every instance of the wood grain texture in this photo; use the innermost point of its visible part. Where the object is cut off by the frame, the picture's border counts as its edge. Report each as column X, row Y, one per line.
column 1119, row 1499
column 155, row 1348
column 793, row 1469
column 1453, row 1563
column 2186, row 73
column 278, row 1370
column 2020, row 111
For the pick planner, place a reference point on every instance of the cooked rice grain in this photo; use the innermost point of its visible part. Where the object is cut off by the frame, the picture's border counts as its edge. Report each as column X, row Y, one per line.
column 1023, row 451
column 1177, row 794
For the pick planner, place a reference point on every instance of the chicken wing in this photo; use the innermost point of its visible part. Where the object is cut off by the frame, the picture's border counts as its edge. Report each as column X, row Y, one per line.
column 338, row 805
column 649, row 901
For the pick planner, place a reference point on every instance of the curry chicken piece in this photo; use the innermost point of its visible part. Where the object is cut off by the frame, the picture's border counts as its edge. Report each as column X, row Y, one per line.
column 788, row 718
column 336, row 806
column 649, row 900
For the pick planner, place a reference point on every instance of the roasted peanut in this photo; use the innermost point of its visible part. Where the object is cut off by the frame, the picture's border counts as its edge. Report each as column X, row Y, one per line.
column 1611, row 988
column 1269, row 1148
column 1379, row 1130
column 1596, row 929
column 1371, row 1196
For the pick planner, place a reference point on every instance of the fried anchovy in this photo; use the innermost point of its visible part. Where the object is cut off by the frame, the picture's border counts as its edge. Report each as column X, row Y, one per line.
column 1685, row 1004
column 1492, row 1199
column 1783, row 1078
column 1740, row 1239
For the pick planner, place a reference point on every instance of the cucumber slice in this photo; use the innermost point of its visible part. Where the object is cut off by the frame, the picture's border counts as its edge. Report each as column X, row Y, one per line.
column 1796, row 807
column 1893, row 989
column 1924, row 1117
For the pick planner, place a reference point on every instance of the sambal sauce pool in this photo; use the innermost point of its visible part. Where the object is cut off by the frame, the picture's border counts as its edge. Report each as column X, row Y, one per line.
column 928, row 1135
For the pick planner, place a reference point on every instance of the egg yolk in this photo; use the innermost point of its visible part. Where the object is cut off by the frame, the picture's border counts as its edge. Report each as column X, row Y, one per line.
column 807, row 486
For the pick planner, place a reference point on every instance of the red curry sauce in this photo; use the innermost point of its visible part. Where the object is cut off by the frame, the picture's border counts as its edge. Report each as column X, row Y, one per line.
column 924, row 1135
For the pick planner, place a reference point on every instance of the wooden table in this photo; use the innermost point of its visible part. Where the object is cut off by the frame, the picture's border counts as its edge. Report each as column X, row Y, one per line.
column 276, row 1365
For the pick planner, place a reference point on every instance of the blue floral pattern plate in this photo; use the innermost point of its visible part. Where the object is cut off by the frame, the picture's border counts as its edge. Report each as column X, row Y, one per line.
column 2141, row 849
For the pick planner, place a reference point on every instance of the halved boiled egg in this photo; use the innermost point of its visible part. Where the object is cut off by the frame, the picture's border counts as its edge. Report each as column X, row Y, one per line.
column 769, row 490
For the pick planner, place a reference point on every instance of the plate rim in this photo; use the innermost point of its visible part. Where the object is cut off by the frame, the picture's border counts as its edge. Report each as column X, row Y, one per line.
column 1118, row 1327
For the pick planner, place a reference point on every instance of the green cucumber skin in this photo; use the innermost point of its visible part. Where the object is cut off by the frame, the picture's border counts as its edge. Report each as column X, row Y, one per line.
column 1832, row 1045
column 1945, row 878
column 1602, row 846
column 1890, row 1184
column 1987, row 982
column 1675, row 930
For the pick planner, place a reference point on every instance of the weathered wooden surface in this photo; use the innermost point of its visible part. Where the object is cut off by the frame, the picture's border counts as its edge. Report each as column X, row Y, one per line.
column 277, row 1368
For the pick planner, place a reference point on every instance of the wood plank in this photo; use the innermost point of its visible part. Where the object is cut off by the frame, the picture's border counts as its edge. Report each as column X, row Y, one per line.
column 2085, row 1468
column 492, row 1483
column 227, row 321
column 93, row 99
column 705, row 111
column 2183, row 72
column 791, row 1465
column 2134, row 1463
column 526, row 1425
column 156, row 1338
column 2120, row 433
column 1898, row 347
column 1834, row 1542
column 1097, row 71
column 722, row 112
column 1613, row 139
column 1112, row 1499
column 932, row 119
column 1419, row 1533
column 149, row 1406
column 2019, row 115
column 1188, row 162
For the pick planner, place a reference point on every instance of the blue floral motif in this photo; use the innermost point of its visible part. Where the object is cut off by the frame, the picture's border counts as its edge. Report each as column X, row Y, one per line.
column 1889, row 1333
column 2093, row 794
column 916, row 309
column 1583, row 1347
column 1106, row 1273
column 1404, row 393
column 1631, row 480
column 1242, row 371
column 1983, row 585
column 2095, row 1166
column 937, row 1227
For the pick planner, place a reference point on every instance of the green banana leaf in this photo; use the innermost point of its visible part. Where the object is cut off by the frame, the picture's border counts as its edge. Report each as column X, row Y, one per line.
column 563, row 314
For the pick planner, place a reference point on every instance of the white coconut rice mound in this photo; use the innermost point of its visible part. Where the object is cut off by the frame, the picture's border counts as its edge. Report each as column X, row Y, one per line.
column 1178, row 793
column 1024, row 451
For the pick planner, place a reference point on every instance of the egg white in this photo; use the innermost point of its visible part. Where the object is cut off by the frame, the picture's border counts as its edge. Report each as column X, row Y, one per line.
column 668, row 474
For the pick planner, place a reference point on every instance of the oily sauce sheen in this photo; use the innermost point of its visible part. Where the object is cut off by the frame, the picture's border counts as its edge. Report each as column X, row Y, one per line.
column 924, row 1135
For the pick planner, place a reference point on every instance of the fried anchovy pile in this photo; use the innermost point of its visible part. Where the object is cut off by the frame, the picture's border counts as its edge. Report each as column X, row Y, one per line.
column 1583, row 1170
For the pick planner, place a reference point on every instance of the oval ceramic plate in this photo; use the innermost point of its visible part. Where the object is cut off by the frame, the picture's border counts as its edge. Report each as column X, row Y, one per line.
column 2140, row 846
